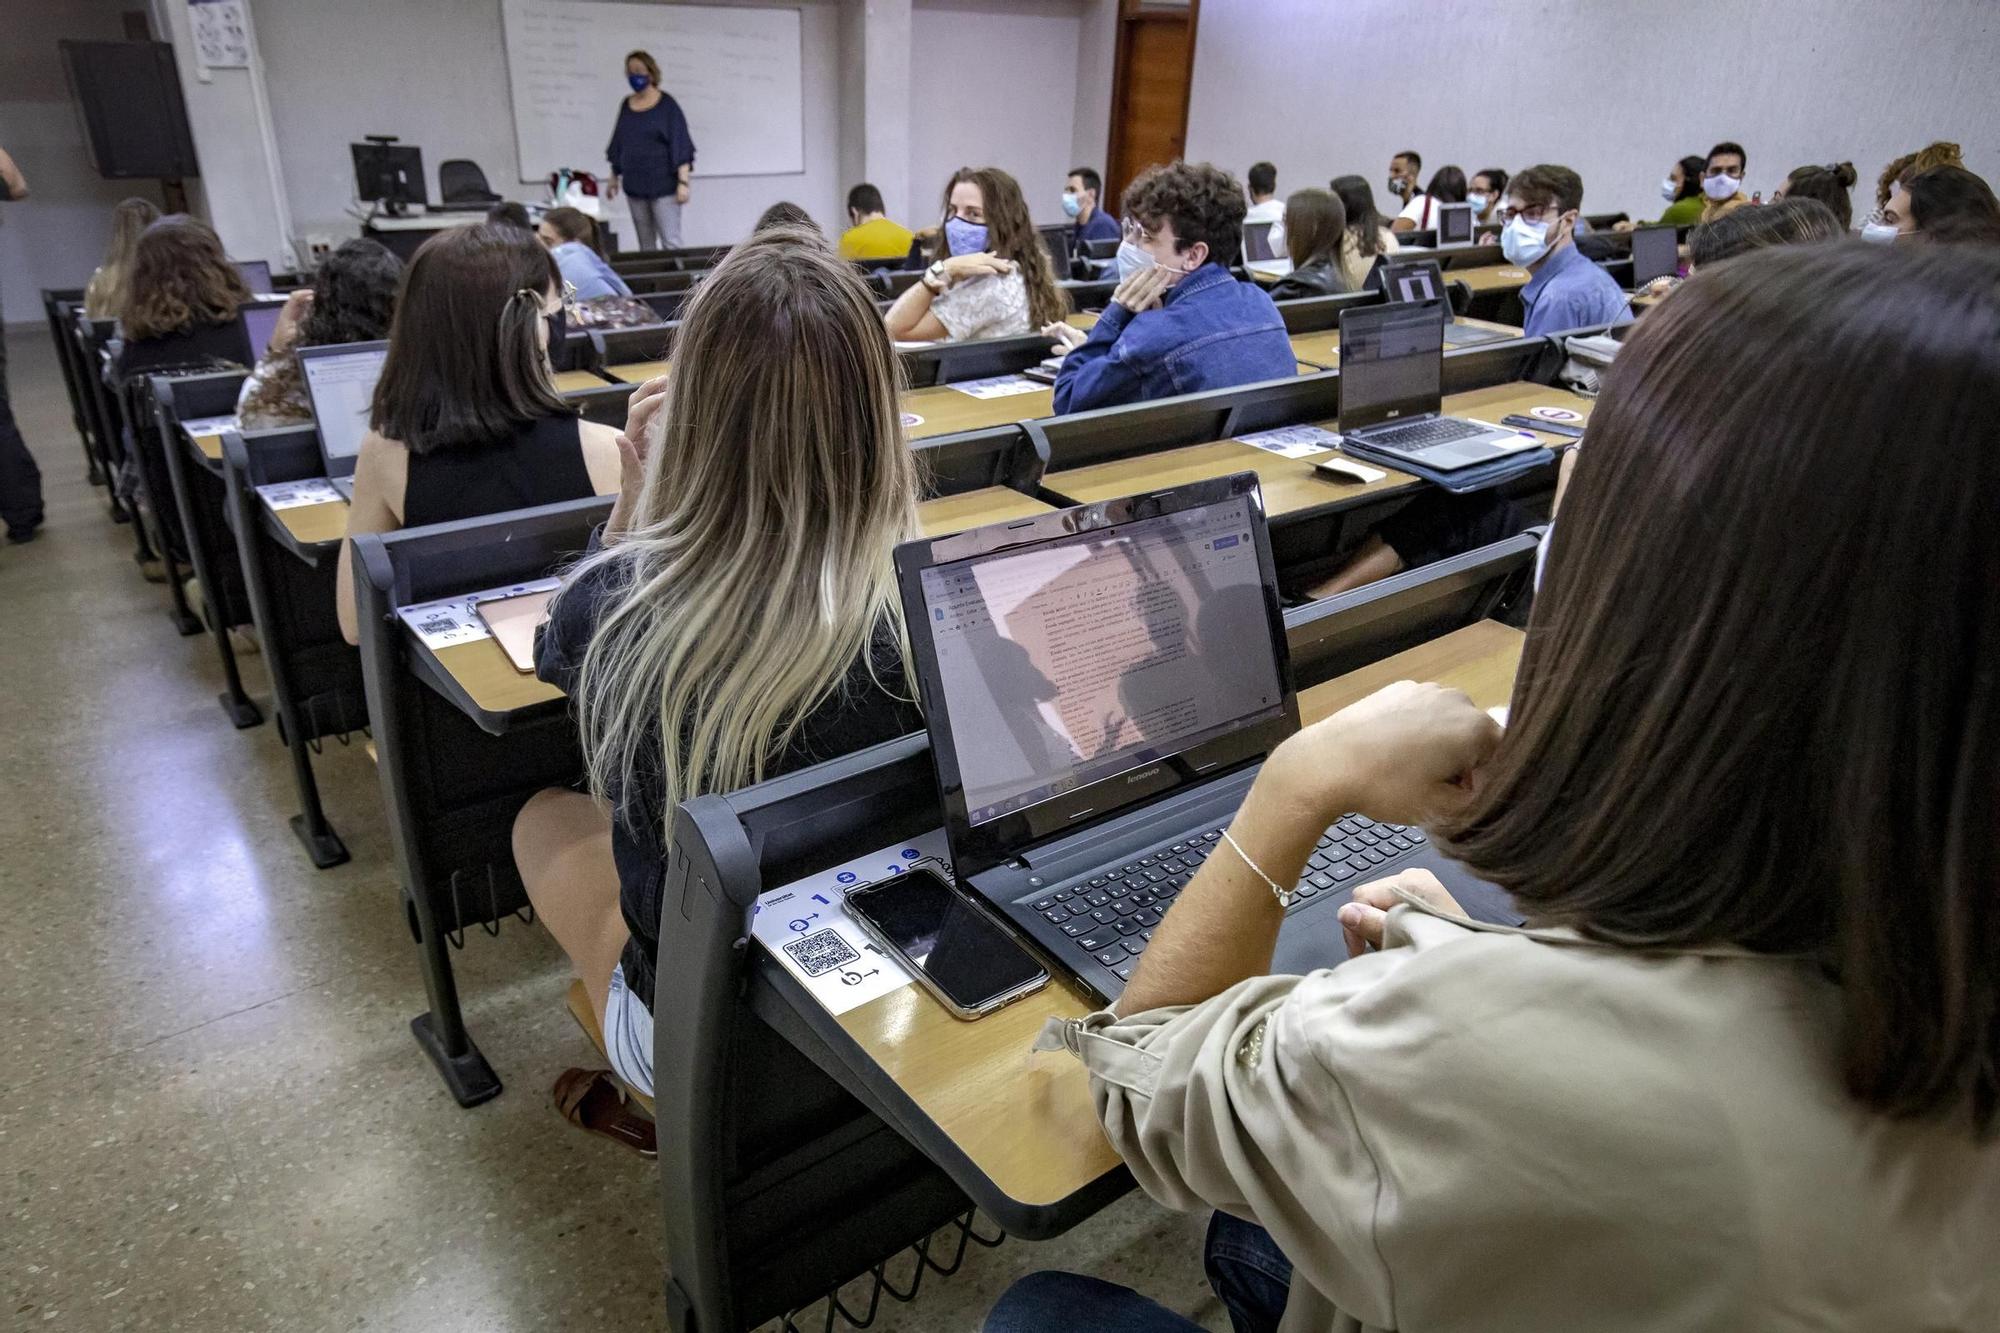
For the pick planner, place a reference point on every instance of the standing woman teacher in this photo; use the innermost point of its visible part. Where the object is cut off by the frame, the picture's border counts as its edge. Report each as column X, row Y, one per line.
column 652, row 155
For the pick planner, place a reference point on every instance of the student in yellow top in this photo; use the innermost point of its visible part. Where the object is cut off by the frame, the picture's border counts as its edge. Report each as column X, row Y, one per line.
column 870, row 236
column 1722, row 181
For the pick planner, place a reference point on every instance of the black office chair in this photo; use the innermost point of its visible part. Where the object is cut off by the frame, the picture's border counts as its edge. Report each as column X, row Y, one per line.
column 460, row 181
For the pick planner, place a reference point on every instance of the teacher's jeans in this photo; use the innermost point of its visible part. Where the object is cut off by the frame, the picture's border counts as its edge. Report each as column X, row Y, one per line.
column 656, row 223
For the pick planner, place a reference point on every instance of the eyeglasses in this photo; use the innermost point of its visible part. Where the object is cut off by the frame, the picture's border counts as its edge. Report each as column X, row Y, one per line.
column 1135, row 232
column 1532, row 213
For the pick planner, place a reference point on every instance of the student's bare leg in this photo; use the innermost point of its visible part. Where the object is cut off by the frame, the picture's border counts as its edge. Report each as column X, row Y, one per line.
column 562, row 847
column 1373, row 560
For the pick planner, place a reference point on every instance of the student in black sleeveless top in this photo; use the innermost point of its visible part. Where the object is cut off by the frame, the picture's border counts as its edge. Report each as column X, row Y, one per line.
column 181, row 304
column 466, row 419
column 738, row 617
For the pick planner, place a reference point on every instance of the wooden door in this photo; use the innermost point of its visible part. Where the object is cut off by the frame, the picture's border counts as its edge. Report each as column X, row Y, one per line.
column 1149, row 98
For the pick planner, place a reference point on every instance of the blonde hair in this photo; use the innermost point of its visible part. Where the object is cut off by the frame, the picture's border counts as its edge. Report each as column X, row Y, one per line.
column 757, row 567
column 104, row 298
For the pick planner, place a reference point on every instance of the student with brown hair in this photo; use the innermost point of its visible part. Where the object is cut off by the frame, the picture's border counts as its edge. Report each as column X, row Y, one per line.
column 571, row 235
column 740, row 617
column 1832, row 185
column 1794, row 220
column 1368, row 234
column 1315, row 231
column 787, row 214
column 1942, row 153
column 1741, row 1068
column 1945, row 205
column 104, row 297
column 466, row 419
column 352, row 297
column 182, row 302
column 1180, row 321
column 1420, row 213
column 990, row 274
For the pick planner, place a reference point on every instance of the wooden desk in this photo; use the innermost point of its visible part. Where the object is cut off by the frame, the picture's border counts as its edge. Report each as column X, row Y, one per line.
column 1491, row 278
column 1025, row 1120
column 1290, row 484
column 209, row 446
column 483, row 671
column 1321, row 350
column 1083, row 319
column 575, row 381
column 946, row 411
column 314, row 525
column 636, row 372
column 975, row 509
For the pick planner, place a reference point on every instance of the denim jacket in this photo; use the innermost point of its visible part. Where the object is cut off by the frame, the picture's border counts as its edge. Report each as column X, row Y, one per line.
column 1210, row 332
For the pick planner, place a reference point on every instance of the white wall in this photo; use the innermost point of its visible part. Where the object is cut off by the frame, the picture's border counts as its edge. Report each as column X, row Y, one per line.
column 1616, row 89
column 435, row 73
column 55, row 237
column 993, row 83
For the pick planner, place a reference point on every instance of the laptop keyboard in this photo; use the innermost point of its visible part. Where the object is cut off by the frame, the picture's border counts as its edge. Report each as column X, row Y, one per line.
column 1111, row 916
column 1424, row 434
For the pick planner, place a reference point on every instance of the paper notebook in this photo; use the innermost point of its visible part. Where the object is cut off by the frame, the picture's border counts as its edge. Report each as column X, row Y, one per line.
column 513, row 621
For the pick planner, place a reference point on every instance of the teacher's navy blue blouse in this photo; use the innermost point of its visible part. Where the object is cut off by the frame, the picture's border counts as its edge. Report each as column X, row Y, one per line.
column 649, row 148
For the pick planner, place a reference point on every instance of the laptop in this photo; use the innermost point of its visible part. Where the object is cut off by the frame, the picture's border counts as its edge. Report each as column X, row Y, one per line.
column 1392, row 391
column 1656, row 253
column 260, row 321
column 256, row 274
column 1100, row 685
column 1454, row 224
column 1423, row 280
column 340, row 382
column 1257, row 242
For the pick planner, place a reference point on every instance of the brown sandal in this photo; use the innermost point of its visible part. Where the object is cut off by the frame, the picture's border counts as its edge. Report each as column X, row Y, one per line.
column 591, row 1099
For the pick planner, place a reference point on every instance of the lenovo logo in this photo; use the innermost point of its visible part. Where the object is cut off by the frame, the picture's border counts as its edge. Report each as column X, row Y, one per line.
column 1143, row 774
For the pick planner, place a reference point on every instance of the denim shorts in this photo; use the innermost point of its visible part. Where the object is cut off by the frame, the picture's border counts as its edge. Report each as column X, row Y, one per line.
column 628, row 1034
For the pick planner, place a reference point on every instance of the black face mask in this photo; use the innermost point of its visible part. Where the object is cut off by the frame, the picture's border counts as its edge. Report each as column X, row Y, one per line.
column 558, row 327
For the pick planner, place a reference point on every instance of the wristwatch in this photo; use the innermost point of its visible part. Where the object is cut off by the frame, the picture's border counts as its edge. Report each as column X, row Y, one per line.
column 934, row 279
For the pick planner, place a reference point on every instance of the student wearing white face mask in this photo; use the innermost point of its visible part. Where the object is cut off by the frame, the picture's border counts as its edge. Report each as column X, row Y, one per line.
column 990, row 274
column 1080, row 198
column 1565, row 289
column 1722, row 180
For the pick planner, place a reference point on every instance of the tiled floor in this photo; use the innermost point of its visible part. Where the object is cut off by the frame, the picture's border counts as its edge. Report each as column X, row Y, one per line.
column 212, row 1116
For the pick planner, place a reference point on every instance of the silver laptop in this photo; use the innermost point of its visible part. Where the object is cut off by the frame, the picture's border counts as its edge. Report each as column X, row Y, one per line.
column 1423, row 280
column 340, row 381
column 1392, row 391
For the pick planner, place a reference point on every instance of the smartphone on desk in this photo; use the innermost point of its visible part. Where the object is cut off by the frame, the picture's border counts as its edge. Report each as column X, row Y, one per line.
column 953, row 947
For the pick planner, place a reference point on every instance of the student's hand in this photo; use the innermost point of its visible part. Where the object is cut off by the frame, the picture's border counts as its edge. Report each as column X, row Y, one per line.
column 635, row 442
column 297, row 306
column 611, row 192
column 681, row 193
column 1143, row 290
column 1065, row 337
column 961, row 268
column 1362, row 920
column 1406, row 754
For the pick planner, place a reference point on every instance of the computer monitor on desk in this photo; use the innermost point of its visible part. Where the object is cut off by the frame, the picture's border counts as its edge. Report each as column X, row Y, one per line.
column 392, row 173
column 340, row 382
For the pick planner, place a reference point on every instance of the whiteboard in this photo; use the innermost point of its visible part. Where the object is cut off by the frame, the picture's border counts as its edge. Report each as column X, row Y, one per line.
column 736, row 72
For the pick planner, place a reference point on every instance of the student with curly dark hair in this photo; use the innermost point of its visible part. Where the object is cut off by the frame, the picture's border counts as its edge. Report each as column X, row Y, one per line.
column 1178, row 322
column 351, row 299
column 1832, row 185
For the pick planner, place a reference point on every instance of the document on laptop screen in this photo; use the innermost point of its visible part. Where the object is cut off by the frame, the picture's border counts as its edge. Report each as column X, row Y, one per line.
column 343, row 391
column 1099, row 653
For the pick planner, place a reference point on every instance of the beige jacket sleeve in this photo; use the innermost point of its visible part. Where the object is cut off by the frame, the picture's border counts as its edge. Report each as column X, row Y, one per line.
column 1231, row 1104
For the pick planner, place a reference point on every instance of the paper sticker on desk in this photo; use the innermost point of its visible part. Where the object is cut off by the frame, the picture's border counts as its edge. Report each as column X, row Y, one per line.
column 456, row 619
column 805, row 925
column 209, row 425
column 1556, row 414
column 1292, row 441
column 294, row 494
column 999, row 386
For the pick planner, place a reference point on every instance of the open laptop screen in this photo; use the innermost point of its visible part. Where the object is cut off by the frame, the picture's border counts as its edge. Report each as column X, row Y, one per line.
column 1655, row 254
column 260, row 321
column 1092, row 656
column 256, row 274
column 1391, row 362
column 1257, row 242
column 341, row 383
column 1413, row 280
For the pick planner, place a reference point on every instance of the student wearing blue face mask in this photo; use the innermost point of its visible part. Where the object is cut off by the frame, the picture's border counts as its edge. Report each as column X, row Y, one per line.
column 990, row 274
column 1179, row 322
column 1565, row 289
column 1079, row 203
column 651, row 155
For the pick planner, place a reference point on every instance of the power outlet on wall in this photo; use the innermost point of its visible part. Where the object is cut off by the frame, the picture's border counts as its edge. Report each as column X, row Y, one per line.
column 317, row 247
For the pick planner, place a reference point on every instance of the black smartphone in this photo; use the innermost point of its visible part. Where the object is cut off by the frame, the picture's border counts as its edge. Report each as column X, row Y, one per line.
column 1564, row 429
column 955, row 949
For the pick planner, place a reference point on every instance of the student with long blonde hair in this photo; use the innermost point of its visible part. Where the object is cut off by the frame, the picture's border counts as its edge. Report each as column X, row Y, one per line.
column 738, row 617
column 104, row 296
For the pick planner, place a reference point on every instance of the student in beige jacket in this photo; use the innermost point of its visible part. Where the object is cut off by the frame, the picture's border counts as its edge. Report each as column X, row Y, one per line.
column 1743, row 1069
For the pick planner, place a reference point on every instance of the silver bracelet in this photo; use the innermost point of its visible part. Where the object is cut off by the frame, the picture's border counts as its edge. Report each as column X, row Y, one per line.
column 1283, row 895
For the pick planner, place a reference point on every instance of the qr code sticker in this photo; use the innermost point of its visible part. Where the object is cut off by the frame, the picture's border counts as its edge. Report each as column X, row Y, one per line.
column 439, row 625
column 821, row 952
